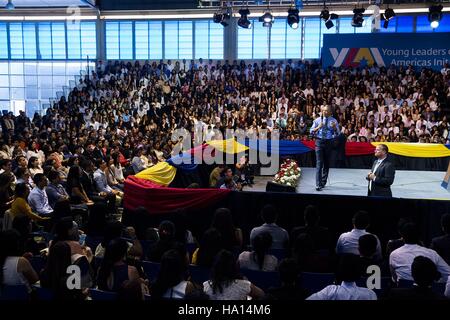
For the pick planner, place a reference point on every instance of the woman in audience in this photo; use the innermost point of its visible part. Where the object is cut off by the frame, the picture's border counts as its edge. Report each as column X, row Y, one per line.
column 6, row 192
column 14, row 269
column 114, row 271
column 34, row 166
column 171, row 282
column 226, row 283
column 20, row 205
column 55, row 276
column 258, row 258
column 210, row 245
column 231, row 236
column 75, row 188
column 114, row 173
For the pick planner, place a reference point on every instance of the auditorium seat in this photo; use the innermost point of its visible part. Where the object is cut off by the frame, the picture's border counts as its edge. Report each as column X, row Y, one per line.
column 44, row 294
column 9, row 293
column 262, row 279
column 314, row 282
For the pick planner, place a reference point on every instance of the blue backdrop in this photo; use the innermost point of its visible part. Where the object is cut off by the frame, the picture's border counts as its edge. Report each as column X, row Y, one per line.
column 430, row 50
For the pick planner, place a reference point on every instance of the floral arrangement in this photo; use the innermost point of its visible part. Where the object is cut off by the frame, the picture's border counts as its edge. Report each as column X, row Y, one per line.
column 289, row 173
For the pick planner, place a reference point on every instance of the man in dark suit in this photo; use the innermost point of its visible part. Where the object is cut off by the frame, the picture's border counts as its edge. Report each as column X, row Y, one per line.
column 442, row 244
column 382, row 175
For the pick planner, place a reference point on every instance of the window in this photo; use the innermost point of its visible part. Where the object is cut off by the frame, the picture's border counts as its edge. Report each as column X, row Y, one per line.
column 29, row 40
column 260, row 41
column 278, row 39
column 3, row 41
column 422, row 24
column 444, row 24
column 73, row 40
column 141, row 39
column 185, row 40
column 16, row 40
column 171, row 39
column 215, row 41
column 405, row 23
column 201, row 33
column 126, row 40
column 59, row 40
column 312, row 38
column 45, row 41
column 245, row 42
column 392, row 26
column 112, row 40
column 156, row 39
column 345, row 25
column 88, row 40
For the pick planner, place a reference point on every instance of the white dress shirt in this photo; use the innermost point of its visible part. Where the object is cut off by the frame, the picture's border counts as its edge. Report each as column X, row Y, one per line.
column 377, row 165
column 401, row 259
column 345, row 291
column 348, row 242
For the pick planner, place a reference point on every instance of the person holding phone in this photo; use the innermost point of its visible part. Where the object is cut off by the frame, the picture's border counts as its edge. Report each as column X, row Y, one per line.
column 325, row 128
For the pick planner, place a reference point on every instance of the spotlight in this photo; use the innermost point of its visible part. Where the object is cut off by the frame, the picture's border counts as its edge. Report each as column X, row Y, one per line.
column 9, row 5
column 225, row 19
column 217, row 17
column 293, row 18
column 243, row 21
column 358, row 19
column 388, row 15
column 435, row 15
column 327, row 17
column 267, row 19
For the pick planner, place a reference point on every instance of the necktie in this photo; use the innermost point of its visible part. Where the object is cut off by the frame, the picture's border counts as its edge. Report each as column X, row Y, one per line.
column 325, row 129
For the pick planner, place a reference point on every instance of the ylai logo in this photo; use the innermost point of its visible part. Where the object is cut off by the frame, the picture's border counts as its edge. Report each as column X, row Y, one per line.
column 74, row 279
column 374, row 279
column 356, row 57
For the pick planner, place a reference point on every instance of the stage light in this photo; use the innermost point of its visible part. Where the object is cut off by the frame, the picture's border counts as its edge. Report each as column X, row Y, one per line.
column 327, row 17
column 9, row 5
column 267, row 19
column 388, row 15
column 435, row 15
column 358, row 19
column 243, row 21
column 217, row 17
column 293, row 19
column 225, row 19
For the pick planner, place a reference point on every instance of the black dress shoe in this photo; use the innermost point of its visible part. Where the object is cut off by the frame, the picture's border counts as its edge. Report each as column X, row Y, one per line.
column 318, row 188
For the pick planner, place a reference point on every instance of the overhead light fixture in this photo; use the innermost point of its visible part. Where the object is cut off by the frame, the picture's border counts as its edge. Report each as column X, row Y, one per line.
column 435, row 15
column 267, row 19
column 222, row 17
column 293, row 19
column 225, row 19
column 218, row 17
column 388, row 15
column 358, row 19
column 243, row 21
column 9, row 5
column 327, row 17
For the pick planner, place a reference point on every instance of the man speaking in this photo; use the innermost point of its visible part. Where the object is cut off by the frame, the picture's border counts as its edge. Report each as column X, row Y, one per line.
column 325, row 128
column 382, row 175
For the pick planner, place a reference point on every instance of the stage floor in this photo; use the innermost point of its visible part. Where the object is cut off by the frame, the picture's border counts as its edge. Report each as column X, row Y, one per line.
column 352, row 182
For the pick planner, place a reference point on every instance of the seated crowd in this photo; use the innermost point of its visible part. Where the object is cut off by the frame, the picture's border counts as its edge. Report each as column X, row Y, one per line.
column 168, row 262
column 66, row 169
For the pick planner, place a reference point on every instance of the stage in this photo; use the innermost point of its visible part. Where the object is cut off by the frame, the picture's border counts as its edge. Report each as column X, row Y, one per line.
column 352, row 182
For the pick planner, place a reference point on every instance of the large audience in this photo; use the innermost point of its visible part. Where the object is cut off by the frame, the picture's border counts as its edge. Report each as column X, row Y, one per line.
column 62, row 180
